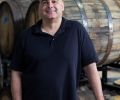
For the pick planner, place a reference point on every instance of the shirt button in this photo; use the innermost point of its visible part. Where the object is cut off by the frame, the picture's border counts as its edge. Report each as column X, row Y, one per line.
column 53, row 39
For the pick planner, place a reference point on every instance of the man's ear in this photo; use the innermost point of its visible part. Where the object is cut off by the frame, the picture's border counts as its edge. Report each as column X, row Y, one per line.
column 62, row 4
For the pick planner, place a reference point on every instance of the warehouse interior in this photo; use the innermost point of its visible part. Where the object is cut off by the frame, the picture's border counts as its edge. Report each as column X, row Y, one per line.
column 101, row 18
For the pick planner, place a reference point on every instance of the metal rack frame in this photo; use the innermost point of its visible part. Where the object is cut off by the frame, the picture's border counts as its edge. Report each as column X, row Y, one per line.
column 109, row 82
column 5, row 82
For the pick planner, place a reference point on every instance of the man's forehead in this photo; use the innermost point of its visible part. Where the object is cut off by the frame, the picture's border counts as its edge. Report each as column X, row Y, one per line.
column 49, row 0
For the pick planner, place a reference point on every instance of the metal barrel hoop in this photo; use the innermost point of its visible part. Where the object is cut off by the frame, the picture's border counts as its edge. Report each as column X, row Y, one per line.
column 110, row 36
column 83, row 14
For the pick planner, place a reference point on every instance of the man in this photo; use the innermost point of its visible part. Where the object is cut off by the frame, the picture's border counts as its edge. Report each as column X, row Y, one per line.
column 48, row 55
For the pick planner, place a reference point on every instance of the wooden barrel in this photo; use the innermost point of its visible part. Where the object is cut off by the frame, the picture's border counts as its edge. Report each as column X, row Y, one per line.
column 102, row 24
column 11, row 24
column 18, row 12
column 101, row 19
column 32, row 15
column 6, row 29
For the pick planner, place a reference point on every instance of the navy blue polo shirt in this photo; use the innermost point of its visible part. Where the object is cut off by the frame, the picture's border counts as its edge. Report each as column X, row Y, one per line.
column 51, row 64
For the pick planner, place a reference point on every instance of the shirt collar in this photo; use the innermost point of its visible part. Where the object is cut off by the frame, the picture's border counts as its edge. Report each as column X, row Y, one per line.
column 37, row 30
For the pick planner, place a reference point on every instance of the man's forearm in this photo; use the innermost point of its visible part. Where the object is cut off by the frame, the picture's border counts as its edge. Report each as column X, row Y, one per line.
column 16, row 85
column 94, row 80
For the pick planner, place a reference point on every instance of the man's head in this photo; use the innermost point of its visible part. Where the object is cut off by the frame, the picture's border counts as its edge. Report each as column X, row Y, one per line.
column 51, row 9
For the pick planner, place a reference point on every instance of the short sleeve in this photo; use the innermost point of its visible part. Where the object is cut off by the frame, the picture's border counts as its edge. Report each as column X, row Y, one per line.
column 17, row 61
column 88, row 53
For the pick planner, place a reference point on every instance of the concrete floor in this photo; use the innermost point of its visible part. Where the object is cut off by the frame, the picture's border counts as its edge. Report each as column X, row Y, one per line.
column 85, row 93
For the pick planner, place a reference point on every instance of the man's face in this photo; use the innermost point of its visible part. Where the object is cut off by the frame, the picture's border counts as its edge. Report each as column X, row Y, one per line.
column 51, row 9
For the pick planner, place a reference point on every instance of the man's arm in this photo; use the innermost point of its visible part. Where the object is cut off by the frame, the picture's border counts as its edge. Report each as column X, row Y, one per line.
column 16, row 85
column 94, row 80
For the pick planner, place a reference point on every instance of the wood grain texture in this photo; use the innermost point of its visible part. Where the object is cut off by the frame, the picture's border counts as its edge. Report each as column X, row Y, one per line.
column 92, row 12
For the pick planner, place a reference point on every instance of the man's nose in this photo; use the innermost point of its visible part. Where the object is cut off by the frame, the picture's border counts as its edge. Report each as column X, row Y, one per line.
column 50, row 4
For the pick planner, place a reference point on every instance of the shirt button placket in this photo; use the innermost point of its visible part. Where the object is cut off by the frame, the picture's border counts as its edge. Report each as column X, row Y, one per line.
column 52, row 42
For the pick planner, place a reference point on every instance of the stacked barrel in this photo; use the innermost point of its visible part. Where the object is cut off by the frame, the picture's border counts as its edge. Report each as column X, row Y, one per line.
column 6, row 29
column 12, row 15
column 101, row 19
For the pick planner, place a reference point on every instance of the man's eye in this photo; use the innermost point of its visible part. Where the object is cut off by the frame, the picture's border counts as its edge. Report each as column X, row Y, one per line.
column 54, row 1
column 44, row 2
